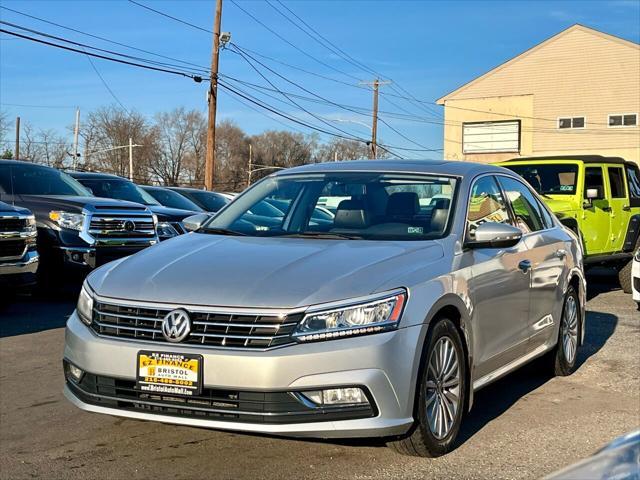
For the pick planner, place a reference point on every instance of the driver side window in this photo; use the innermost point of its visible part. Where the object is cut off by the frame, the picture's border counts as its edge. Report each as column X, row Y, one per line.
column 486, row 204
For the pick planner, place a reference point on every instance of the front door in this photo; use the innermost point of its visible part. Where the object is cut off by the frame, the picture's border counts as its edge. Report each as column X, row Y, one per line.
column 619, row 204
column 499, row 285
column 596, row 217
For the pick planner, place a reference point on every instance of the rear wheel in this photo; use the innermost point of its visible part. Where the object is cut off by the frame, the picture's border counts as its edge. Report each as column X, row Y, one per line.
column 441, row 395
column 624, row 277
column 563, row 358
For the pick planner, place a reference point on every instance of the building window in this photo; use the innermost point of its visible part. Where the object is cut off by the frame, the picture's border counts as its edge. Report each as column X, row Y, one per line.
column 623, row 120
column 571, row 122
column 491, row 137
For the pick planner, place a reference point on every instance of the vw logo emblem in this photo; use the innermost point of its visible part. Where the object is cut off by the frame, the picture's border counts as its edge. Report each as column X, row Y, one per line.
column 129, row 226
column 176, row 326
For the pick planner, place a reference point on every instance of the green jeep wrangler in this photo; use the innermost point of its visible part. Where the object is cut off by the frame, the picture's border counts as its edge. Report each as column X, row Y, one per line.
column 597, row 197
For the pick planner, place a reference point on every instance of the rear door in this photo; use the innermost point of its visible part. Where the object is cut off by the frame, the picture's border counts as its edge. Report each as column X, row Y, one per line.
column 596, row 219
column 619, row 207
column 547, row 254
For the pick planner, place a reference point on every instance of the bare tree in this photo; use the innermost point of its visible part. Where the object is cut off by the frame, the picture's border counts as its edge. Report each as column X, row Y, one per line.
column 342, row 149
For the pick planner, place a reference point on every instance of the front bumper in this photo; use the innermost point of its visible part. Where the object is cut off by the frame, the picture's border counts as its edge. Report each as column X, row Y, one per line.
column 92, row 257
column 20, row 272
column 382, row 364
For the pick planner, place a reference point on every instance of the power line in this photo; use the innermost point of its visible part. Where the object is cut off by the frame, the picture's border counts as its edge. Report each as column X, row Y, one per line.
column 24, row 105
column 171, row 17
column 107, row 86
column 104, row 39
column 196, row 78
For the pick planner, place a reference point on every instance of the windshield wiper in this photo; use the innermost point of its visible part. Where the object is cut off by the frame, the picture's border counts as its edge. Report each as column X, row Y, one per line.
column 221, row 231
column 325, row 235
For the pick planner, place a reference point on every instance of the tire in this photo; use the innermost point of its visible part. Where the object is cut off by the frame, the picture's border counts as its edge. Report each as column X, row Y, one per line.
column 624, row 277
column 433, row 435
column 562, row 360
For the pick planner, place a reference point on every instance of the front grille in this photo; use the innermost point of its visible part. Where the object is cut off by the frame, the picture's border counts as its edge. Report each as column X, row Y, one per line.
column 212, row 404
column 210, row 329
column 12, row 248
column 12, row 224
column 126, row 225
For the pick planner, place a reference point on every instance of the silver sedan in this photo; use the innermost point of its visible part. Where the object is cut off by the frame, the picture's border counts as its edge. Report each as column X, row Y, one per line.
column 429, row 281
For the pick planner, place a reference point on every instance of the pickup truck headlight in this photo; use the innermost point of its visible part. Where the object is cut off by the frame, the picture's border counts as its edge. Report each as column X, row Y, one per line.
column 69, row 220
column 352, row 318
column 31, row 224
column 637, row 255
column 166, row 230
column 84, row 308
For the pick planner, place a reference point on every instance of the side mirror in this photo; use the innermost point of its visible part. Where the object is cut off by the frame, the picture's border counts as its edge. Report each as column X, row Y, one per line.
column 194, row 222
column 593, row 193
column 495, row 235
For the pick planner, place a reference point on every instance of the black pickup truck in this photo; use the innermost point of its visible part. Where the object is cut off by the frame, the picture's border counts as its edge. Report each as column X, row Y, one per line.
column 18, row 252
column 76, row 230
column 111, row 186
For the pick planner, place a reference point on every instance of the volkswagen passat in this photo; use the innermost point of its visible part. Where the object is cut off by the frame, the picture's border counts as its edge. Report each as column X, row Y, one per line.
column 432, row 280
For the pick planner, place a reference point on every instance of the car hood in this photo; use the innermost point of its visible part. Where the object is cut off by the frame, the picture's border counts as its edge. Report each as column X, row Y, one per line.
column 168, row 214
column 73, row 203
column 202, row 269
column 6, row 209
column 557, row 205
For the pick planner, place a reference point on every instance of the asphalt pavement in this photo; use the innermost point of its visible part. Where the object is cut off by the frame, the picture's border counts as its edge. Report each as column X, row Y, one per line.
column 524, row 426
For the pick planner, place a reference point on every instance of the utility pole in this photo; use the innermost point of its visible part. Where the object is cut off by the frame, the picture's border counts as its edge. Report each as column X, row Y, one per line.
column 17, row 154
column 373, row 154
column 250, row 166
column 209, row 170
column 131, row 159
column 76, row 131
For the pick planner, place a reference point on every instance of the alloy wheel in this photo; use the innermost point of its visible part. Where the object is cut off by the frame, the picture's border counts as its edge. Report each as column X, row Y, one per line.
column 570, row 329
column 443, row 388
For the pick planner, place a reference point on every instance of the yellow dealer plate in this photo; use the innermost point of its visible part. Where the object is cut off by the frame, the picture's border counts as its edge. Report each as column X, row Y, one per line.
column 169, row 373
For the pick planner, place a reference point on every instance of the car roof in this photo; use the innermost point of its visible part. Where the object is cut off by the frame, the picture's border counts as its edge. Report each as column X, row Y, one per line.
column 580, row 158
column 436, row 167
column 96, row 175
column 191, row 189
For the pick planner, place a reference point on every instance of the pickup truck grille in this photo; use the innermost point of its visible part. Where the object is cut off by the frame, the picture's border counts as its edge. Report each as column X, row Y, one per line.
column 125, row 225
column 12, row 248
column 223, row 330
column 12, row 224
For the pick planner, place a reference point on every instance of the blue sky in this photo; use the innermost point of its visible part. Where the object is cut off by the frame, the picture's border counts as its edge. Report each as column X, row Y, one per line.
column 427, row 47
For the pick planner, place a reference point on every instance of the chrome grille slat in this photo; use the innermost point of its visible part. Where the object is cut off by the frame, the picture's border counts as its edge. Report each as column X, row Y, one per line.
column 211, row 329
column 112, row 225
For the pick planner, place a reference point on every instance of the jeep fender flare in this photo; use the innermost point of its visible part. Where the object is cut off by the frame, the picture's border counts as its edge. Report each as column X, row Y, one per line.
column 633, row 233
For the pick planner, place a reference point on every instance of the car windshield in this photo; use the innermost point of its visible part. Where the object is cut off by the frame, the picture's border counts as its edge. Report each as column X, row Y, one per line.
column 211, row 202
column 172, row 199
column 549, row 179
column 29, row 179
column 369, row 206
column 119, row 189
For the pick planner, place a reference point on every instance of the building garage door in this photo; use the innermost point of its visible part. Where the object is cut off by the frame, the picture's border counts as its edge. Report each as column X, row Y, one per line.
column 491, row 137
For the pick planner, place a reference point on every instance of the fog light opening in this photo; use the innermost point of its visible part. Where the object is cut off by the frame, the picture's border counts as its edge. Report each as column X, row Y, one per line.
column 75, row 373
column 337, row 396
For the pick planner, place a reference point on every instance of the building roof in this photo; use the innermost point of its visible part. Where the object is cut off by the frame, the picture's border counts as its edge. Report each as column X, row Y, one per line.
column 535, row 48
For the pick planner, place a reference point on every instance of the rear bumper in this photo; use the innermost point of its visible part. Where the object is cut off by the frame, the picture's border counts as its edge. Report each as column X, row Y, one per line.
column 20, row 272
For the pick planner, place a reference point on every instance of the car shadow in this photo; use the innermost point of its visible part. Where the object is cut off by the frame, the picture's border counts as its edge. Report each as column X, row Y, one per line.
column 30, row 313
column 601, row 280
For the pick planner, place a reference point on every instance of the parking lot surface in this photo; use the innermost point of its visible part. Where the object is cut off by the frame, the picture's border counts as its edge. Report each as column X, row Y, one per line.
column 524, row 426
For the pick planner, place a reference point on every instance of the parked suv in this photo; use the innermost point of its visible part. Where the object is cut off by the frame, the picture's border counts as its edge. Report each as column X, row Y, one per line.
column 433, row 280
column 18, row 253
column 596, row 197
column 76, row 231
column 111, row 186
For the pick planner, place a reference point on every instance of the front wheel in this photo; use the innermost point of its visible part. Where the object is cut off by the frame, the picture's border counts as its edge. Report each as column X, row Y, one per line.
column 441, row 395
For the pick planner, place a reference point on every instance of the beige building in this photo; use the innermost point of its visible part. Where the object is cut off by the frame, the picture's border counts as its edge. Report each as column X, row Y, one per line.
column 577, row 92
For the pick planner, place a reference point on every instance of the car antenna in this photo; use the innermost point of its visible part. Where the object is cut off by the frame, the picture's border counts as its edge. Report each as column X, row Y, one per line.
column 13, row 195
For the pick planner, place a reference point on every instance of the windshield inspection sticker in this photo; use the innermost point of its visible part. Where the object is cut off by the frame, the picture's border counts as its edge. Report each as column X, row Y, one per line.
column 415, row 230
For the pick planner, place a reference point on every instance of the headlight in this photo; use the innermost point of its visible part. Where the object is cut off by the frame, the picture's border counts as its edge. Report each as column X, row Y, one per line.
column 85, row 305
column 637, row 255
column 373, row 316
column 31, row 223
column 166, row 230
column 69, row 220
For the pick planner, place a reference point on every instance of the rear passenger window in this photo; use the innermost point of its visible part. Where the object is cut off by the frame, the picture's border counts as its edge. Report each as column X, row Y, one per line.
column 486, row 204
column 593, row 179
column 633, row 180
column 525, row 205
column 616, row 182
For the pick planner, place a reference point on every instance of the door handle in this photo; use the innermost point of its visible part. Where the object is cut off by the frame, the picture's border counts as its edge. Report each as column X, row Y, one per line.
column 626, row 208
column 525, row 266
column 561, row 253
column 606, row 209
